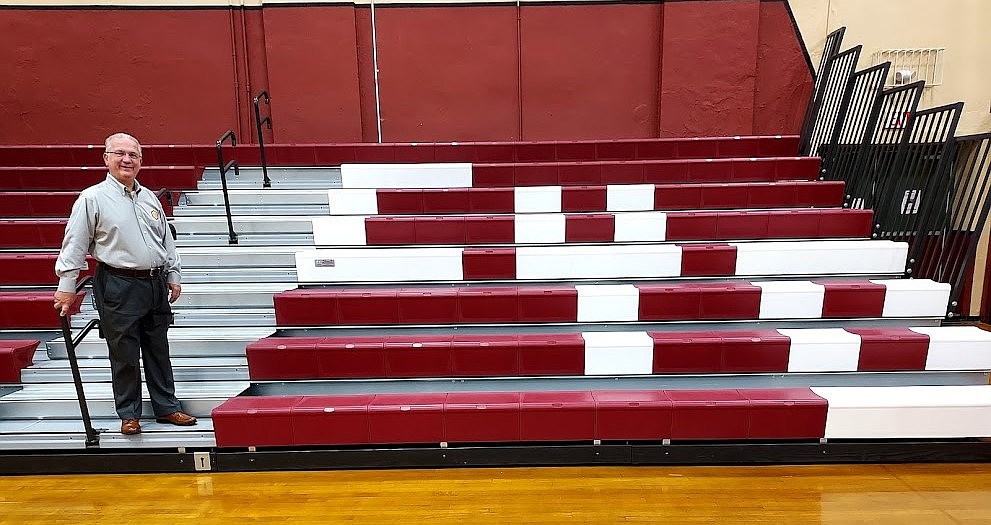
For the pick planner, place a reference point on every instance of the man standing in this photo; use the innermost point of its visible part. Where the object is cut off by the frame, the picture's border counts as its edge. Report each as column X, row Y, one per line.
column 122, row 225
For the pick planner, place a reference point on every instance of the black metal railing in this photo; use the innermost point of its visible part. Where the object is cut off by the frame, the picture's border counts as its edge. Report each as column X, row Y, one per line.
column 266, row 182
column 224, row 168
column 833, row 88
column 832, row 46
column 92, row 438
column 925, row 186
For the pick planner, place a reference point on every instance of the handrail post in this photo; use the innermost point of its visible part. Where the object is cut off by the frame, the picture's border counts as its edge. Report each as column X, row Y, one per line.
column 231, row 235
column 266, row 182
column 92, row 439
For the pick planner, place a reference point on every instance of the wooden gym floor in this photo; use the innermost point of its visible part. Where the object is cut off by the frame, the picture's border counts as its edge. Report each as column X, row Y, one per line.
column 931, row 494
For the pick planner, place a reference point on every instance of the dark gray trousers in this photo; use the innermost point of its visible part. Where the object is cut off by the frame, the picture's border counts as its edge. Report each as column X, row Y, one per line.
column 134, row 317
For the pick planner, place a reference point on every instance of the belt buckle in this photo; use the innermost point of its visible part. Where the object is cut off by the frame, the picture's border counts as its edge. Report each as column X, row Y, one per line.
column 153, row 272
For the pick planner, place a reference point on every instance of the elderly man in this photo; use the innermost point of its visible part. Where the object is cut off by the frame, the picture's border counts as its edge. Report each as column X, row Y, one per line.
column 122, row 225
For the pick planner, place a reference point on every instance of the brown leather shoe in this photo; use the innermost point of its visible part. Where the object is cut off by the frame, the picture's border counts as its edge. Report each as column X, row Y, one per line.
column 177, row 418
column 129, row 427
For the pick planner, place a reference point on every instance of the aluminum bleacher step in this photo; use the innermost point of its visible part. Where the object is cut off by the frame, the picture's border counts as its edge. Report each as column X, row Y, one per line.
column 245, row 295
column 203, row 317
column 266, row 239
column 243, row 225
column 260, row 197
column 242, row 210
column 238, row 275
column 58, row 400
column 45, row 434
column 213, row 341
column 222, row 257
column 98, row 370
column 330, row 176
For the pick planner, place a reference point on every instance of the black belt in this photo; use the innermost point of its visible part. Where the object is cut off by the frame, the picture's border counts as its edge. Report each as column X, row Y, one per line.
column 129, row 272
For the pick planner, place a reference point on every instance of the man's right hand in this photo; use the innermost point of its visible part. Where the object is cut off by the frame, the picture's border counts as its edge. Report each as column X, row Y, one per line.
column 63, row 301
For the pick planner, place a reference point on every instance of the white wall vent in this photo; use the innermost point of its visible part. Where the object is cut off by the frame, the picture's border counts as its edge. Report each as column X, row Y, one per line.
column 912, row 65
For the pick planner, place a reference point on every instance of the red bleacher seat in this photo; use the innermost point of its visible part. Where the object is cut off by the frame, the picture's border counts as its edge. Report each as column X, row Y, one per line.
column 33, row 268
column 481, row 417
column 15, row 355
column 32, row 310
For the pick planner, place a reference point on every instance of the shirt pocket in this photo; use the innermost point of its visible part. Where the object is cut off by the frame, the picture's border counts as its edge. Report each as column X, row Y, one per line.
column 153, row 220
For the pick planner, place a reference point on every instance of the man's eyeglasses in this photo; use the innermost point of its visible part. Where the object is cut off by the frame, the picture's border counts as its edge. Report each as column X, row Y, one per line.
column 120, row 154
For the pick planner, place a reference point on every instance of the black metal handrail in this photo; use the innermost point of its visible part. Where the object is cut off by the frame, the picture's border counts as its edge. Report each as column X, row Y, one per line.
column 832, row 46
column 167, row 195
column 231, row 235
column 92, row 438
column 266, row 182
column 925, row 186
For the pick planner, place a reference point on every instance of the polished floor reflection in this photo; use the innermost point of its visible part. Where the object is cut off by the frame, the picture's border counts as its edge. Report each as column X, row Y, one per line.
column 876, row 494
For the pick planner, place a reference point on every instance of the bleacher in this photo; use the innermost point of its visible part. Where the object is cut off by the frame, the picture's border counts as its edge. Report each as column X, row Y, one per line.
column 645, row 293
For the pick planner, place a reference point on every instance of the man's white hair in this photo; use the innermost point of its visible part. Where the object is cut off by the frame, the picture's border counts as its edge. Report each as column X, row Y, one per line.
column 120, row 136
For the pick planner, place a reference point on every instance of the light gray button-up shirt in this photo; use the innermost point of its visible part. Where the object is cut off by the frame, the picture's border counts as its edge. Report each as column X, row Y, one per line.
column 118, row 227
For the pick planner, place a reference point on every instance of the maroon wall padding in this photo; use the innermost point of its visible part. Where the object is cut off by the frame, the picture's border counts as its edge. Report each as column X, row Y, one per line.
column 479, row 417
column 710, row 352
column 632, row 414
column 16, row 355
column 305, row 47
column 709, row 414
column 283, row 358
column 597, row 78
column 482, row 417
column 254, row 421
column 707, row 260
column 557, row 416
column 896, row 348
column 406, row 418
column 331, row 420
column 76, row 179
column 780, row 62
column 785, row 413
column 32, row 310
column 449, row 73
column 31, row 233
column 446, row 72
column 713, row 99
column 72, row 88
column 852, row 299
column 768, row 169
column 34, row 269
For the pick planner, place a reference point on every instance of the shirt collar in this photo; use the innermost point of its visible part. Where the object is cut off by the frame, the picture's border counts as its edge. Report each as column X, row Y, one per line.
column 120, row 187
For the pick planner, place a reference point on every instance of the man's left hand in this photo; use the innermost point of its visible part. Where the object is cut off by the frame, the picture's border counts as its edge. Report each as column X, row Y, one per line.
column 175, row 291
